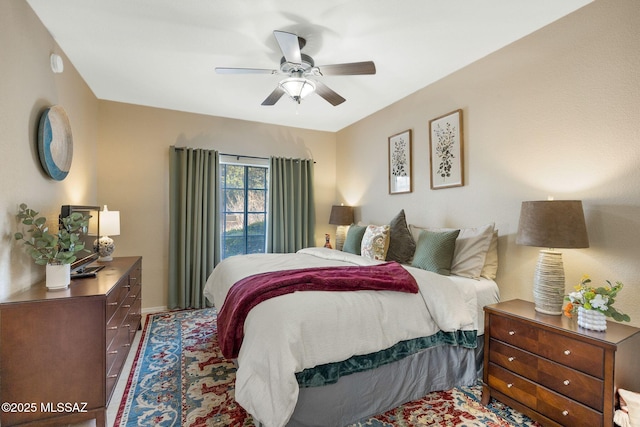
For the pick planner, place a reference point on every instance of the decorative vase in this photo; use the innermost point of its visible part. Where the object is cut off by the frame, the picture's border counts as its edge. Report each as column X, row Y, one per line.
column 592, row 319
column 58, row 276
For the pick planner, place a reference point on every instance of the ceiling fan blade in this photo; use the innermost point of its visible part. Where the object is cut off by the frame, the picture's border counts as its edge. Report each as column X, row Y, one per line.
column 273, row 96
column 289, row 45
column 353, row 68
column 228, row 70
column 328, row 94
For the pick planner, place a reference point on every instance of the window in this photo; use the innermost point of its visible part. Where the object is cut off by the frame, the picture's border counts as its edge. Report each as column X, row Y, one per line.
column 243, row 205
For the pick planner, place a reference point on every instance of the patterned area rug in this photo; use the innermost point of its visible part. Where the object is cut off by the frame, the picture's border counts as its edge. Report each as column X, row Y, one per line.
column 179, row 378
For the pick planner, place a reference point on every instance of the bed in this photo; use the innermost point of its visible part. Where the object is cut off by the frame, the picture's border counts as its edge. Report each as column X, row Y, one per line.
column 332, row 358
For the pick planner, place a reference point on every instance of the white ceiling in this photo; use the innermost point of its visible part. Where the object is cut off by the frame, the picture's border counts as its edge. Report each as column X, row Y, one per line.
column 162, row 53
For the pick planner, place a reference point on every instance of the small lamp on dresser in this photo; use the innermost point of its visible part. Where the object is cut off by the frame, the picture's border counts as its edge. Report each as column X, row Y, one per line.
column 342, row 216
column 109, row 226
column 551, row 224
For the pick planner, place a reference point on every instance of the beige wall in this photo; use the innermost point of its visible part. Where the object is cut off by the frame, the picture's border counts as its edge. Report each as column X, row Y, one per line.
column 134, row 173
column 556, row 113
column 27, row 86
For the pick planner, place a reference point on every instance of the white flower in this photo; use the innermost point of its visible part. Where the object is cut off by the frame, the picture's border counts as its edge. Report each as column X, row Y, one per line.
column 600, row 302
column 576, row 297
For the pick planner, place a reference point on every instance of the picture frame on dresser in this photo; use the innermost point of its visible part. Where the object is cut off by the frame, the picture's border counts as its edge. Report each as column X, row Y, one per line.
column 400, row 163
column 446, row 151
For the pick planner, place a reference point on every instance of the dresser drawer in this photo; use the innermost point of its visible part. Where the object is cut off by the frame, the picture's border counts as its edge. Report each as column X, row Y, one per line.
column 517, row 333
column 547, row 402
column 569, row 382
column 567, row 351
column 579, row 355
column 115, row 298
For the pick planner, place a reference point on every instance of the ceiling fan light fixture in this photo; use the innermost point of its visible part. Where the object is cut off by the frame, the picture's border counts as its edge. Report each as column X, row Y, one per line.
column 297, row 87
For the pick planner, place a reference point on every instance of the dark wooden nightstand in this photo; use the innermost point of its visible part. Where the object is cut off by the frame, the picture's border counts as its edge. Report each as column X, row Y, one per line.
column 554, row 371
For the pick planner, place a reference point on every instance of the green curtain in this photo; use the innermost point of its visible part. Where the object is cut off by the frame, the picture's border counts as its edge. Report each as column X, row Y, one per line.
column 291, row 205
column 194, row 228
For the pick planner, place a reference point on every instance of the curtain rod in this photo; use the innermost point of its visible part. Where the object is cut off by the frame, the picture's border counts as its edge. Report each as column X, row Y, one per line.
column 237, row 156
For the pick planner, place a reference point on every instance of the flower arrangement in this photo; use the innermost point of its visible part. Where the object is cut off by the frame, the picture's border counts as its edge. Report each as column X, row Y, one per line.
column 595, row 298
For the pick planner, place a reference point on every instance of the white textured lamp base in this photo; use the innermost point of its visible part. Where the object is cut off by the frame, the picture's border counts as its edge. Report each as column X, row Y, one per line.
column 548, row 283
column 341, row 235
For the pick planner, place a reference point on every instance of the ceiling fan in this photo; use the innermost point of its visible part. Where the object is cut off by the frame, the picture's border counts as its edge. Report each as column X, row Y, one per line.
column 299, row 67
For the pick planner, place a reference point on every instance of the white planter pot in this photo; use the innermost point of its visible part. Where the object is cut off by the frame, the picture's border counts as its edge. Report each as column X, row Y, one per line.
column 58, row 276
column 592, row 319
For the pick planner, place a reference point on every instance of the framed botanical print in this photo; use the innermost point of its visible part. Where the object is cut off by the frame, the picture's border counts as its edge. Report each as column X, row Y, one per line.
column 400, row 163
column 446, row 151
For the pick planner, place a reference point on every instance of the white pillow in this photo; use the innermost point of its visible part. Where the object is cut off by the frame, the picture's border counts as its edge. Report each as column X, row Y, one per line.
column 633, row 405
column 471, row 250
column 375, row 242
column 490, row 268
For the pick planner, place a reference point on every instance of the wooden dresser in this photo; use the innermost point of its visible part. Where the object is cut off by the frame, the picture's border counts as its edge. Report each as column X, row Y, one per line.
column 554, row 371
column 61, row 352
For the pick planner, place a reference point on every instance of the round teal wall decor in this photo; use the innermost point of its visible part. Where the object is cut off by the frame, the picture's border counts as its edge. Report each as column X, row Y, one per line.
column 55, row 143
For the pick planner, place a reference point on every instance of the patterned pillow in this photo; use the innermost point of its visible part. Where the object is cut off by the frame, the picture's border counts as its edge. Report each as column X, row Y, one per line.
column 375, row 242
column 353, row 241
column 401, row 244
column 434, row 251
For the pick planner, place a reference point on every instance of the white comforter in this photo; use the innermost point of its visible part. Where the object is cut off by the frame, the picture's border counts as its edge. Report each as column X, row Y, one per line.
column 287, row 334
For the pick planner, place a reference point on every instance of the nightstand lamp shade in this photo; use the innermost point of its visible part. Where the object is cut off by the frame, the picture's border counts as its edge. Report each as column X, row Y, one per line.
column 109, row 226
column 551, row 224
column 342, row 216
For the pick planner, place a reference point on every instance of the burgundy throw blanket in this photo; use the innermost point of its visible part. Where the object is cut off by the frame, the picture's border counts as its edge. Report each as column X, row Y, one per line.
column 252, row 290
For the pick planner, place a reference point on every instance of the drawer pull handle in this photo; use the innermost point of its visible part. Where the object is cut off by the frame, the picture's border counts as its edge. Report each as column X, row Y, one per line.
column 127, row 286
column 512, row 332
column 113, row 352
column 127, row 345
column 126, row 306
column 511, row 359
column 566, row 382
column 112, row 328
column 567, row 352
column 113, row 376
column 565, row 412
column 509, row 385
column 112, row 303
column 127, row 326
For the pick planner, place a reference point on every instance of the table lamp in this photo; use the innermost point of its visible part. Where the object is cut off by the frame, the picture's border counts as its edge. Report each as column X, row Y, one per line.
column 342, row 216
column 109, row 226
column 551, row 224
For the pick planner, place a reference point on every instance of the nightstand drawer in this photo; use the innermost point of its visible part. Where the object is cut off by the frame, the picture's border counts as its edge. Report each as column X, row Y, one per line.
column 579, row 355
column 569, row 382
column 553, row 405
column 519, row 334
column 567, row 351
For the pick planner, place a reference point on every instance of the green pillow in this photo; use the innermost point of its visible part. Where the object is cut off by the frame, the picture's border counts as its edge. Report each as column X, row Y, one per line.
column 353, row 241
column 434, row 251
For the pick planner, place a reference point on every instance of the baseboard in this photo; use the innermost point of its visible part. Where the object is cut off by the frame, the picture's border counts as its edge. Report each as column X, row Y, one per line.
column 151, row 310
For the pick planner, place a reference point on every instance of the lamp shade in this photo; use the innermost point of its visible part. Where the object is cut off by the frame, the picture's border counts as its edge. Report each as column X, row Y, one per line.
column 552, row 224
column 109, row 222
column 341, row 215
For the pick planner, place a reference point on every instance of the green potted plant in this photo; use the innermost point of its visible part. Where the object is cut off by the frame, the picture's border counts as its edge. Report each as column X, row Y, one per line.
column 55, row 250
